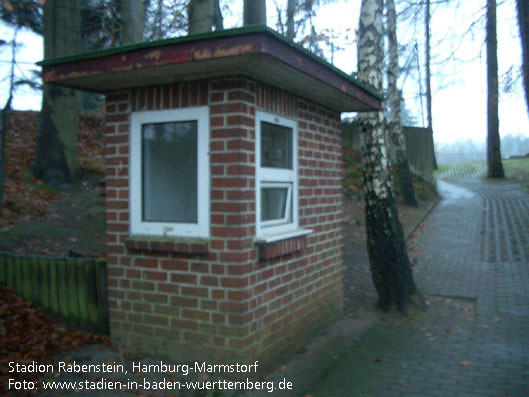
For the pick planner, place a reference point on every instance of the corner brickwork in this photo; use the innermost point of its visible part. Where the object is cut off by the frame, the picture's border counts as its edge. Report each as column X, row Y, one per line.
column 225, row 302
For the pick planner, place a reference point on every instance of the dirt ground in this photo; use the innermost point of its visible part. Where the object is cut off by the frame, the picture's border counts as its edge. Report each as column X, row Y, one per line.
column 72, row 225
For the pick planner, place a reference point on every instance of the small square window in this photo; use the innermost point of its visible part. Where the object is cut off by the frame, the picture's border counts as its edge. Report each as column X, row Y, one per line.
column 276, row 203
column 276, row 146
column 169, row 173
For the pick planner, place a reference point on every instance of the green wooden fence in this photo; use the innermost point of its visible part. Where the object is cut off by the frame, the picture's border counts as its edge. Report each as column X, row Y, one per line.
column 71, row 290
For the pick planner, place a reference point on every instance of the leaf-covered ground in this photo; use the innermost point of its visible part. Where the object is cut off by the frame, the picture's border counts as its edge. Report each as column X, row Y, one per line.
column 27, row 335
column 36, row 219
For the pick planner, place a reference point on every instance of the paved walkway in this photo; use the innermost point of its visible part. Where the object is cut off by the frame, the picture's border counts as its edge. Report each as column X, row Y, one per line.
column 472, row 255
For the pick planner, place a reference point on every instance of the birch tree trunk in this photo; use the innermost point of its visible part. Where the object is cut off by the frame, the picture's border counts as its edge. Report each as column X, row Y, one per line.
column 523, row 23
column 132, row 21
column 404, row 181
column 55, row 158
column 494, row 165
column 389, row 263
column 254, row 12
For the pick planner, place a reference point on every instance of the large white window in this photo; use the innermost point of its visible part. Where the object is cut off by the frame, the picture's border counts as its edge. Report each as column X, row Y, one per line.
column 276, row 175
column 169, row 173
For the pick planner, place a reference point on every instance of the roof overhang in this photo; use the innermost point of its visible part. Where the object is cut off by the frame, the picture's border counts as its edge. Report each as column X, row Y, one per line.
column 256, row 52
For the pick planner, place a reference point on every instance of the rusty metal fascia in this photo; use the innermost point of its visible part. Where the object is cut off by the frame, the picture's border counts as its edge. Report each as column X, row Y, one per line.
column 259, row 42
column 150, row 57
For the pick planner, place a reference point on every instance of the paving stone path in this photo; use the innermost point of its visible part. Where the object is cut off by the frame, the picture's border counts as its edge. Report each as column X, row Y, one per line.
column 472, row 265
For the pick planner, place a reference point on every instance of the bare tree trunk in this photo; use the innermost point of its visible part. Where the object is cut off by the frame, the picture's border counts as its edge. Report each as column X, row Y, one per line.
column 55, row 158
column 219, row 20
column 428, row 55
column 4, row 122
column 159, row 21
column 494, row 165
column 132, row 21
column 254, row 12
column 427, row 16
column 404, row 181
column 389, row 263
column 523, row 23
column 291, row 9
column 203, row 15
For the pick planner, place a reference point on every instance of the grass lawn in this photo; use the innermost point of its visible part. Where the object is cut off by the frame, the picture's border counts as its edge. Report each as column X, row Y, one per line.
column 517, row 170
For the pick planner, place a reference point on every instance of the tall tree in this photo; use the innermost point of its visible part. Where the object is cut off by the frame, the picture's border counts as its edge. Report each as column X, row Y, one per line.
column 291, row 11
column 404, row 180
column 132, row 21
column 428, row 55
column 523, row 23
column 428, row 71
column 254, row 12
column 388, row 259
column 203, row 16
column 4, row 114
column 494, row 165
column 19, row 15
column 55, row 158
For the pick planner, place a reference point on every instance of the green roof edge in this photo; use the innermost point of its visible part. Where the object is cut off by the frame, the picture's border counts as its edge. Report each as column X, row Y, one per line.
column 204, row 36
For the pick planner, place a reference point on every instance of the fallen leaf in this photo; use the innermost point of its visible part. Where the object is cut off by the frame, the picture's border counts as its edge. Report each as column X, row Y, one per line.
column 464, row 363
column 8, row 6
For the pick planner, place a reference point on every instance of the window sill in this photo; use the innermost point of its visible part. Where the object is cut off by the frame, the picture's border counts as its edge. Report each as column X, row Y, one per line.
column 167, row 244
column 272, row 238
column 276, row 245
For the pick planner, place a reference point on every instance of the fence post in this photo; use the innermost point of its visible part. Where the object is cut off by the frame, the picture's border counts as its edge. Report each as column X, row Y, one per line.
column 18, row 274
column 84, row 320
column 26, row 278
column 3, row 269
column 35, row 282
column 45, row 284
column 102, row 298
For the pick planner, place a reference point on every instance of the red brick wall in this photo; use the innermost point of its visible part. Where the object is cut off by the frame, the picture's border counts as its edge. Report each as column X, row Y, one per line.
column 227, row 300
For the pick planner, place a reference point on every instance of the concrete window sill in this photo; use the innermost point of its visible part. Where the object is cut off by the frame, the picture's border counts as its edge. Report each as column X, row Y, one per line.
column 167, row 244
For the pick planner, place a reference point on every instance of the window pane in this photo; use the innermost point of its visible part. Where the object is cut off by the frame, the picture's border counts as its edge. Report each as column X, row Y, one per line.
column 276, row 146
column 169, row 172
column 273, row 203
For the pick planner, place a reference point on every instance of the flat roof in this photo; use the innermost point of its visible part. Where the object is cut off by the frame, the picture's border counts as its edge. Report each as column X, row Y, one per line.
column 254, row 51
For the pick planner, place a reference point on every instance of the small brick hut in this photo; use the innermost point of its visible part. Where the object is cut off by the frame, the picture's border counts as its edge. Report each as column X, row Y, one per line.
column 223, row 191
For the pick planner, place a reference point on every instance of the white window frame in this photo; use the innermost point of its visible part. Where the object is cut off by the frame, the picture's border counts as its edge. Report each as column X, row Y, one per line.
column 275, row 177
column 200, row 229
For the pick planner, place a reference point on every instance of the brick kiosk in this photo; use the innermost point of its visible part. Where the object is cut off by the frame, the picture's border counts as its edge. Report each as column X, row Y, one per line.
column 223, row 192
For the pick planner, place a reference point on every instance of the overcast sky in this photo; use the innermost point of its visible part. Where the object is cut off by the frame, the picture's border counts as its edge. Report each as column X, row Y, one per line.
column 459, row 102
